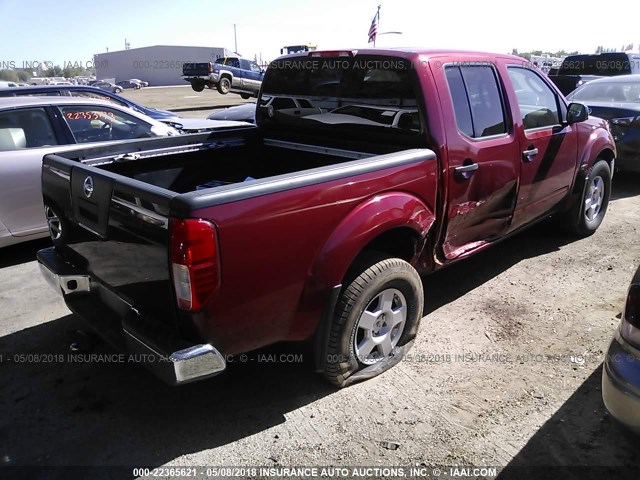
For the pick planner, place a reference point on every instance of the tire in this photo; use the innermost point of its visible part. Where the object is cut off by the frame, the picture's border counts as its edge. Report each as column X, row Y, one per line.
column 224, row 86
column 118, row 90
column 197, row 86
column 58, row 227
column 584, row 217
column 375, row 321
column 245, row 96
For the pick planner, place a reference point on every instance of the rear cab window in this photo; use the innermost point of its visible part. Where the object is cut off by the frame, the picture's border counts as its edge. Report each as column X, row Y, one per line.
column 362, row 98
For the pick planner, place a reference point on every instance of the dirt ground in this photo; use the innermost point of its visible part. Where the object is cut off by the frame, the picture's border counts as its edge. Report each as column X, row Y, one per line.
column 505, row 372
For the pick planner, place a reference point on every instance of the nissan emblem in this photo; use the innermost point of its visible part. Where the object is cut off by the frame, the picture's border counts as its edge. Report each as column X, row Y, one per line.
column 88, row 187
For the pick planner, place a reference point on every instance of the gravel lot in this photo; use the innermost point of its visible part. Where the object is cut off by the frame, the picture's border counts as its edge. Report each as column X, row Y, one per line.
column 505, row 372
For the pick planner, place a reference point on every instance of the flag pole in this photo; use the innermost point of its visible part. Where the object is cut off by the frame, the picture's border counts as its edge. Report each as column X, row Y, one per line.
column 378, row 17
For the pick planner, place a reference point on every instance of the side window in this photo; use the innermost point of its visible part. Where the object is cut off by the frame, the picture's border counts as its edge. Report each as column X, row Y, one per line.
column 89, row 123
column 26, row 128
column 538, row 103
column 282, row 103
column 460, row 100
column 97, row 96
column 255, row 67
column 487, row 109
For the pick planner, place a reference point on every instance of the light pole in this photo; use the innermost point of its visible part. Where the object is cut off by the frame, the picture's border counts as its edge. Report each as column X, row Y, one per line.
column 235, row 37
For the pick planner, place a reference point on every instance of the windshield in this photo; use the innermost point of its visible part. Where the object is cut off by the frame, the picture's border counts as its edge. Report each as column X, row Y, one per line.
column 348, row 94
column 628, row 92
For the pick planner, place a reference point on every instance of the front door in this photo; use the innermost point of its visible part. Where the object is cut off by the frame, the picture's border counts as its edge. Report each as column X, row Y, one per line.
column 549, row 148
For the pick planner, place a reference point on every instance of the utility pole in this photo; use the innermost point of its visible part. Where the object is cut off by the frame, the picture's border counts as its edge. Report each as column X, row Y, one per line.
column 235, row 37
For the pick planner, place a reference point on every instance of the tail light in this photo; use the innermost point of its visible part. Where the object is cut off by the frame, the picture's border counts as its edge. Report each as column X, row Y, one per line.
column 211, row 68
column 630, row 327
column 195, row 262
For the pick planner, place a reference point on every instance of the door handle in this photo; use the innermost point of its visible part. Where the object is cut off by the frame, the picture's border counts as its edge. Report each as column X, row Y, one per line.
column 528, row 155
column 466, row 170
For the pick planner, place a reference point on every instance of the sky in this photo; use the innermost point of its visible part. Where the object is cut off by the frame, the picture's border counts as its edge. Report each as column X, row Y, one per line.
column 71, row 32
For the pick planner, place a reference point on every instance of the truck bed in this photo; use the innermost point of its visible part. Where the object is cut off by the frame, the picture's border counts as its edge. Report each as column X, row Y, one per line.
column 273, row 203
column 236, row 162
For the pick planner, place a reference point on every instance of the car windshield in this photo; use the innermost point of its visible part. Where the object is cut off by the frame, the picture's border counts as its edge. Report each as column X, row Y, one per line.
column 351, row 95
column 628, row 92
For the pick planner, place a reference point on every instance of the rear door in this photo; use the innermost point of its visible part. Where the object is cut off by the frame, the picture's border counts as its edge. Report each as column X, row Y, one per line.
column 548, row 148
column 483, row 166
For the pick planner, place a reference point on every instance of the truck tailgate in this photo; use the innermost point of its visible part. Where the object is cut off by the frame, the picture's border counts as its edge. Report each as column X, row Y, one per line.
column 116, row 231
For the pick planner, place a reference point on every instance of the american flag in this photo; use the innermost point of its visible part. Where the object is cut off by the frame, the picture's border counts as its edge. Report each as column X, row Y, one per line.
column 373, row 30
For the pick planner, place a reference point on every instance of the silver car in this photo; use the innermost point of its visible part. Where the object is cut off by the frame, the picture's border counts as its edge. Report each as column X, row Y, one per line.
column 621, row 370
column 32, row 127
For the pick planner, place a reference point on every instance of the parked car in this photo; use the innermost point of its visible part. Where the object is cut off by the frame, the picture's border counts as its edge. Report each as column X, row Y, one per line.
column 129, row 84
column 227, row 74
column 8, row 84
column 241, row 113
column 577, row 70
column 247, row 111
column 31, row 127
column 617, row 100
column 108, row 86
column 621, row 370
column 141, row 82
column 217, row 244
column 86, row 91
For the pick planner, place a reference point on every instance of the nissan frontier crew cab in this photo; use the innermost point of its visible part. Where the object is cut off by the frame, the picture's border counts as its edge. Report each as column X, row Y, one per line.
column 316, row 224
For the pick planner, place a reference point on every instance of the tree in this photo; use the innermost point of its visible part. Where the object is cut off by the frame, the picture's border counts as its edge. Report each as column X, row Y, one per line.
column 9, row 75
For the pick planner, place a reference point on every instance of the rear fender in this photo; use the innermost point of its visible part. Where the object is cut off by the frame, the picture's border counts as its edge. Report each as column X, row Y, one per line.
column 372, row 218
column 367, row 221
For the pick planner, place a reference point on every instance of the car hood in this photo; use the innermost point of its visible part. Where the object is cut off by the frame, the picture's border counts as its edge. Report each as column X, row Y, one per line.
column 240, row 113
column 608, row 110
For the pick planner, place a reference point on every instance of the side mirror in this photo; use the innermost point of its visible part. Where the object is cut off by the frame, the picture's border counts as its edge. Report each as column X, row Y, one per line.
column 577, row 112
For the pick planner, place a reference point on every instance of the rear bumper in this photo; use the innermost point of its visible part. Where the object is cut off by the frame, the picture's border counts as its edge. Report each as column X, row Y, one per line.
column 621, row 383
column 157, row 347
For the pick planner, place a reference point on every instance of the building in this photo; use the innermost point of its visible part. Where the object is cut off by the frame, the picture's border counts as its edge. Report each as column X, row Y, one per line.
column 159, row 65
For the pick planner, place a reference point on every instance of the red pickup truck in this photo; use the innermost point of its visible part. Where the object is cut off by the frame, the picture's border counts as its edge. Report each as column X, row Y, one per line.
column 316, row 223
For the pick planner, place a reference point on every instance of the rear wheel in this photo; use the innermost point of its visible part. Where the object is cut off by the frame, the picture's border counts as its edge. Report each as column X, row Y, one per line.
column 224, row 85
column 245, row 96
column 197, row 86
column 375, row 321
